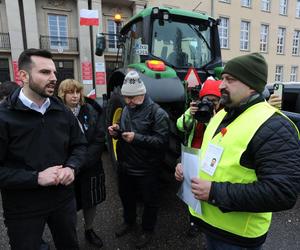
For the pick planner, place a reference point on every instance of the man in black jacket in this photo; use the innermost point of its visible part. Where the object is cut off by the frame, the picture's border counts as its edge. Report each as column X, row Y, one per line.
column 42, row 147
column 257, row 169
column 142, row 142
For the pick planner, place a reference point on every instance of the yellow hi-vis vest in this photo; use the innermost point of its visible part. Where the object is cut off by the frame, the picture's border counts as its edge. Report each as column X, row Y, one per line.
column 238, row 135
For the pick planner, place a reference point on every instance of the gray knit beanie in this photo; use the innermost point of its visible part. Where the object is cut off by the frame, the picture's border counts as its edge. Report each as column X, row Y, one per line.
column 251, row 69
column 133, row 85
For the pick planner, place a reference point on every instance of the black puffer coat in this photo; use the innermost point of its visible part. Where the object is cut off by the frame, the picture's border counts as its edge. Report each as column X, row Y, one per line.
column 90, row 182
column 30, row 142
column 145, row 153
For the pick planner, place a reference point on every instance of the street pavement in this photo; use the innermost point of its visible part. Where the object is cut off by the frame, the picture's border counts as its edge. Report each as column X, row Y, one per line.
column 172, row 222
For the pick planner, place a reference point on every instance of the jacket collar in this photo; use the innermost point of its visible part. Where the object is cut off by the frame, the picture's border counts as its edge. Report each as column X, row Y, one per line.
column 13, row 102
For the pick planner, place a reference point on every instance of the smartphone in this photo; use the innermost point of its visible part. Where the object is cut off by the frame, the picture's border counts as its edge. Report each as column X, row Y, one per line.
column 119, row 131
column 278, row 89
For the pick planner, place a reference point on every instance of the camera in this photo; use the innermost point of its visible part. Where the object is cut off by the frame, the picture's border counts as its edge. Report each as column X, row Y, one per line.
column 205, row 111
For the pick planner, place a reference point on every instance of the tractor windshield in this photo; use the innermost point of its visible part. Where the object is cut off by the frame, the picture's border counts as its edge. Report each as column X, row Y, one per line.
column 181, row 45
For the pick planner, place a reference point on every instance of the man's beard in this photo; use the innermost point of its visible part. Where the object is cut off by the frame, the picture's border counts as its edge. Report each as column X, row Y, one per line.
column 39, row 90
column 225, row 99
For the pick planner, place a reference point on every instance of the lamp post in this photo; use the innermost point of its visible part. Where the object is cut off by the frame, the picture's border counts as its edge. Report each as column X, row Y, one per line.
column 92, row 48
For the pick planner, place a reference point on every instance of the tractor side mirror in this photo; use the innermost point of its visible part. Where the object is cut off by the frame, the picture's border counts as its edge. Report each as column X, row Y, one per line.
column 100, row 44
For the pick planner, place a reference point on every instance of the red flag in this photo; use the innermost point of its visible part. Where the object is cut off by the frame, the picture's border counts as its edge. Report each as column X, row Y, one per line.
column 89, row 17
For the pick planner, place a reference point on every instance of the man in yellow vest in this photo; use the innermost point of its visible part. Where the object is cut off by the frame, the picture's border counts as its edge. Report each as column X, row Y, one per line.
column 257, row 166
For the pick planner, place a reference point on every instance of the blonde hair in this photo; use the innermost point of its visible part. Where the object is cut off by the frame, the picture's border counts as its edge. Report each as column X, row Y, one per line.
column 68, row 86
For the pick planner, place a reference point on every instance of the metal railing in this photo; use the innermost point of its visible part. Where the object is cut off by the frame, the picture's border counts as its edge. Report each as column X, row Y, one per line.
column 4, row 41
column 59, row 44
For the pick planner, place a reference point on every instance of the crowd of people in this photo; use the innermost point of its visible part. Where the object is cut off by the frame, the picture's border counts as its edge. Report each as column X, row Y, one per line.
column 51, row 148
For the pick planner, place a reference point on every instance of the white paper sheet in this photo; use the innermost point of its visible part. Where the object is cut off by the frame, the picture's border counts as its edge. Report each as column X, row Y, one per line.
column 190, row 160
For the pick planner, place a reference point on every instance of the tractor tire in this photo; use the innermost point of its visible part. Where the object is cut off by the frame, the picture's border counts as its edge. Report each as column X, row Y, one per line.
column 113, row 114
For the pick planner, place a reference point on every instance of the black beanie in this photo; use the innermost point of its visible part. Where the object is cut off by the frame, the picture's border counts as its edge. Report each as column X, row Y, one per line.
column 251, row 69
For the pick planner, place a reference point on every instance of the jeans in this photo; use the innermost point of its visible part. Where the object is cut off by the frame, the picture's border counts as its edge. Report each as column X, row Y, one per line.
column 215, row 244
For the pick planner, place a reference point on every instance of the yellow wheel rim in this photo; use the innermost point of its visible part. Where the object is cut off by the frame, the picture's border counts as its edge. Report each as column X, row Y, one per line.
column 116, row 119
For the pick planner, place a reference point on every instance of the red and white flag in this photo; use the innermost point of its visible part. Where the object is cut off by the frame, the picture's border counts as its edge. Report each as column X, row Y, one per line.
column 89, row 17
column 92, row 94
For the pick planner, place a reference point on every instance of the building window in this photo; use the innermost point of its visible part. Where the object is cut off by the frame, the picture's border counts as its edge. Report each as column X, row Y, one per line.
column 112, row 30
column 283, row 7
column 298, row 9
column 265, row 5
column 279, row 73
column 296, row 43
column 294, row 74
column 280, row 40
column 58, row 31
column 244, row 35
column 246, row 3
column 264, row 38
column 224, row 32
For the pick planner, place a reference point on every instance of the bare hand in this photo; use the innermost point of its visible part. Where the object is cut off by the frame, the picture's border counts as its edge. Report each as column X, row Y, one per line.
column 128, row 136
column 275, row 101
column 112, row 130
column 49, row 177
column 179, row 172
column 193, row 108
column 66, row 176
column 201, row 189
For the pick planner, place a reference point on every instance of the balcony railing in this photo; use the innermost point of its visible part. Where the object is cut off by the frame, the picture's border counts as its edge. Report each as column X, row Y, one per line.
column 4, row 41
column 59, row 44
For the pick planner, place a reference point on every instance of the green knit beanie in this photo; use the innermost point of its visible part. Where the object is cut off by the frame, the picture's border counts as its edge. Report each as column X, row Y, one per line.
column 251, row 69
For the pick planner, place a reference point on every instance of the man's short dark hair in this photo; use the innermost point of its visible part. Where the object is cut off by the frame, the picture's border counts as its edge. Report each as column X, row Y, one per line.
column 25, row 61
column 7, row 88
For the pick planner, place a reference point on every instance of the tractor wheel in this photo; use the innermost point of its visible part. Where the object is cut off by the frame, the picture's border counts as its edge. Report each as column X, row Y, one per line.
column 113, row 115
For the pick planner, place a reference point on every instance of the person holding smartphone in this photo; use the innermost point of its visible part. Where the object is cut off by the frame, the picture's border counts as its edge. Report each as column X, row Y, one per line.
column 143, row 134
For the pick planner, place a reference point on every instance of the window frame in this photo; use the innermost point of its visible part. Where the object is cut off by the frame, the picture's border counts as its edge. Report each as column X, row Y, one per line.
column 265, row 5
column 246, row 3
column 114, row 39
column 281, row 36
column 264, row 38
column 62, row 43
column 296, row 43
column 283, row 7
column 297, row 9
column 245, row 42
column 279, row 73
column 294, row 73
column 224, row 28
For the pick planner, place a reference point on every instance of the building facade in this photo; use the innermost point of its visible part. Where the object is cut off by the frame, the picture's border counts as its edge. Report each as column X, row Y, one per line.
column 271, row 27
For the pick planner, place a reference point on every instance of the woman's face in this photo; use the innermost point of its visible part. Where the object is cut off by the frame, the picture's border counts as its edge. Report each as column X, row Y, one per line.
column 72, row 98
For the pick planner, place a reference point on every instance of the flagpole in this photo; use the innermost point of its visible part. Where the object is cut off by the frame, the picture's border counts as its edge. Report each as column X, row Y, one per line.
column 92, row 47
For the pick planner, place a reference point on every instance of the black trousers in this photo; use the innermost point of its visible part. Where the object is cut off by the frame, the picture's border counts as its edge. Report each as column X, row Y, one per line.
column 129, row 189
column 26, row 234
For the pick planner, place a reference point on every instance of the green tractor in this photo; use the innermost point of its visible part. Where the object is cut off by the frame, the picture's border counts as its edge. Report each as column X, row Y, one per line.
column 162, row 44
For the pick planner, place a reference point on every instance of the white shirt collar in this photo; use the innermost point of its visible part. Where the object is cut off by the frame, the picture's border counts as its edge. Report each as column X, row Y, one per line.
column 32, row 105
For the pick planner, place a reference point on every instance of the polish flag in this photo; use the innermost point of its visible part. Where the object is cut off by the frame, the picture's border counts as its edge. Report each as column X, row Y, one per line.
column 92, row 94
column 89, row 17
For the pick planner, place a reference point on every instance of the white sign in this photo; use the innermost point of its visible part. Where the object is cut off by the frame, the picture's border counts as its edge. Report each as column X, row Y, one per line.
column 141, row 49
